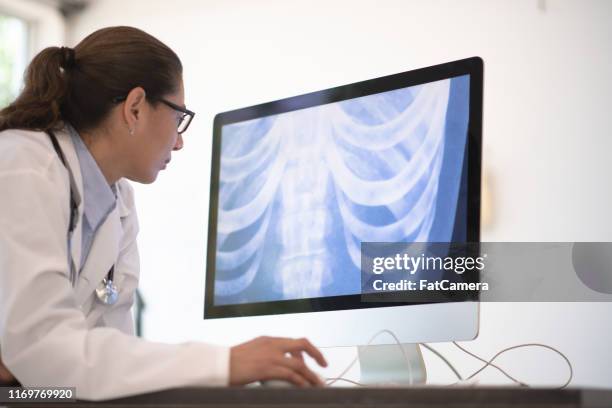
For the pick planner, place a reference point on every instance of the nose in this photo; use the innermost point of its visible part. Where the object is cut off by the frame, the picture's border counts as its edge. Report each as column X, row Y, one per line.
column 179, row 143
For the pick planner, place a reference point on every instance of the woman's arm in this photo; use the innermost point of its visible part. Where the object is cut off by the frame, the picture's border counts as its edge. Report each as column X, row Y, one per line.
column 44, row 335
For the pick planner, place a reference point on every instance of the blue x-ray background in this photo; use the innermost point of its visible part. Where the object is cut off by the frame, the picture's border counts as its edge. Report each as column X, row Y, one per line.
column 263, row 227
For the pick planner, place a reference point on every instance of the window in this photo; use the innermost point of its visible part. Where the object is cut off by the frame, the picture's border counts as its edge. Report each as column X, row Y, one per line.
column 13, row 56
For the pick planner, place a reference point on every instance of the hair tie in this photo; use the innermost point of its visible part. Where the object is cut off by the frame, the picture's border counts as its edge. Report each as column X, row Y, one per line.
column 67, row 57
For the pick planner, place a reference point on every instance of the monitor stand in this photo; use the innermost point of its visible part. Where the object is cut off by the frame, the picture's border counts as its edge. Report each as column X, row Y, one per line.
column 386, row 364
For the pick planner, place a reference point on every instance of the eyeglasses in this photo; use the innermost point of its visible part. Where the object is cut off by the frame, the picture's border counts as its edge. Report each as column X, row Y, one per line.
column 183, row 121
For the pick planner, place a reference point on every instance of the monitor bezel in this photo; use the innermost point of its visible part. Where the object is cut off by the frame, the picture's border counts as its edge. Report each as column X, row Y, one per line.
column 470, row 66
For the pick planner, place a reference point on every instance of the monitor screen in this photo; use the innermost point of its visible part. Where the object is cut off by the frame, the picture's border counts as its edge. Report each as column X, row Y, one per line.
column 298, row 184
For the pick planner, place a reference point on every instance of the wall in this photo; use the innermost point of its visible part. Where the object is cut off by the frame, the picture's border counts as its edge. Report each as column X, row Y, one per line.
column 546, row 139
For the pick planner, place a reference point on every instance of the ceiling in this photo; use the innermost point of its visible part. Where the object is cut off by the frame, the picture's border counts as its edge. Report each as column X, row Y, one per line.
column 66, row 7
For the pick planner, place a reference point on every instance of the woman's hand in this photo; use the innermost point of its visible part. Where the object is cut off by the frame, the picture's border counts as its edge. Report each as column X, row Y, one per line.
column 274, row 358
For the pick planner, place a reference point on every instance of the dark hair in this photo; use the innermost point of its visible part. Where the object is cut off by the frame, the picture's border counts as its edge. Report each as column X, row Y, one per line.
column 78, row 85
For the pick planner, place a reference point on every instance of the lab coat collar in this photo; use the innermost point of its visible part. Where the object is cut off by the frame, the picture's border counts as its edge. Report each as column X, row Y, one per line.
column 99, row 198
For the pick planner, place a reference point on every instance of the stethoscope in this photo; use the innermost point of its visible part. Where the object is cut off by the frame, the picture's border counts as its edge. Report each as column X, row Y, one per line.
column 106, row 291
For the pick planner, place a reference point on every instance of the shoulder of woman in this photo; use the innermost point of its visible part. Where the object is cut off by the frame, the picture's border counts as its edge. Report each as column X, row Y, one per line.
column 25, row 150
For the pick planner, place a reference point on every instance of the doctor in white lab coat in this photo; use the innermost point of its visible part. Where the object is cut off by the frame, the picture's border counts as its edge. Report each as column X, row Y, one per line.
column 115, row 106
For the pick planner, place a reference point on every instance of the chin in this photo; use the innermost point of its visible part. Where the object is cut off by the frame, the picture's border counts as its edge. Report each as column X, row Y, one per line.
column 145, row 178
column 150, row 179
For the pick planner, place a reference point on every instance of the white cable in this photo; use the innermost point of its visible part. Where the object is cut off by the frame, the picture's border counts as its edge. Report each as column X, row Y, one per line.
column 348, row 381
column 428, row 347
column 490, row 362
column 340, row 377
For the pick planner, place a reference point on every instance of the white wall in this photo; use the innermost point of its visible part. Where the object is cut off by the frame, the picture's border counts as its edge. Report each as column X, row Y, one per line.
column 547, row 135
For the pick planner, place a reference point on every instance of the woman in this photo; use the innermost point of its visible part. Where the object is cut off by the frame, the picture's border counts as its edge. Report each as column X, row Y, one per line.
column 89, row 118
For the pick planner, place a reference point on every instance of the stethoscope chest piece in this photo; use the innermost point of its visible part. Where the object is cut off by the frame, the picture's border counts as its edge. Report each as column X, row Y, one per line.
column 107, row 291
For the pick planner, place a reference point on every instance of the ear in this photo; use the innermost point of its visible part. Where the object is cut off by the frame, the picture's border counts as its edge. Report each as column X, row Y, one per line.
column 133, row 107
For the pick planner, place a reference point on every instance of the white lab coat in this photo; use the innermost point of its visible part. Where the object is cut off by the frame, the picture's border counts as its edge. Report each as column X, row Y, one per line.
column 52, row 334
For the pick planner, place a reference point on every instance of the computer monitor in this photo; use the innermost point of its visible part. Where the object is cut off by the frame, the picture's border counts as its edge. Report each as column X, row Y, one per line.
column 299, row 183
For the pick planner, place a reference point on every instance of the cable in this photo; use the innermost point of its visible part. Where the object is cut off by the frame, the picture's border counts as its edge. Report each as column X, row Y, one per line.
column 331, row 381
column 471, row 354
column 489, row 363
column 348, row 381
column 428, row 347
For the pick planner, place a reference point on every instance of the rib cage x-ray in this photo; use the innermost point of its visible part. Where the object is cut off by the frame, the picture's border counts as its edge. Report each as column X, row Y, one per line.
column 299, row 191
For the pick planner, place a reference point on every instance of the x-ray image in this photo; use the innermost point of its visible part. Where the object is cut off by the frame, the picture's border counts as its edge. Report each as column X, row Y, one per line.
column 299, row 191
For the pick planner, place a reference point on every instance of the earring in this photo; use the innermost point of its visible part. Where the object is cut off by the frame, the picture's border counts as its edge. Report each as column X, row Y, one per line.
column 131, row 132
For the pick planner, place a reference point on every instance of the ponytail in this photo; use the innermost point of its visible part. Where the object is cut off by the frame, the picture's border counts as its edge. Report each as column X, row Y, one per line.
column 39, row 104
column 79, row 85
